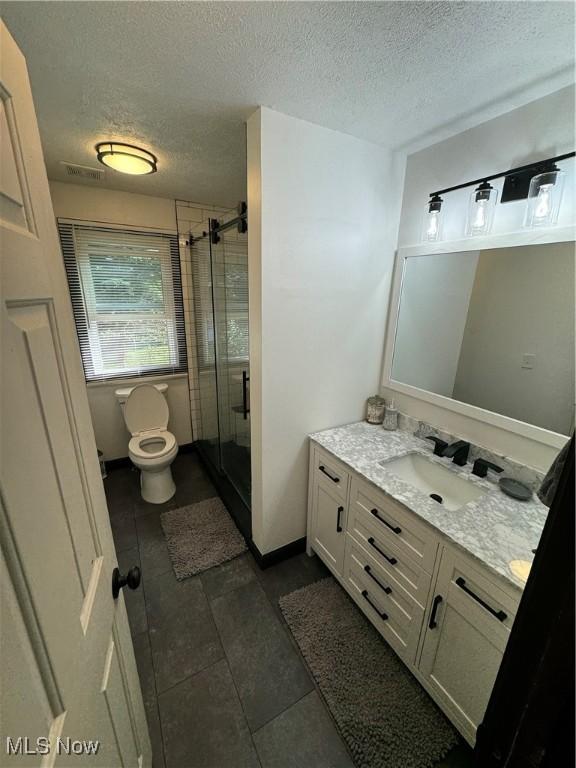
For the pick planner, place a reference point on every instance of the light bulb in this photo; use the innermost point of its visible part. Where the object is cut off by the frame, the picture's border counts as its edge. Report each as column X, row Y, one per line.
column 480, row 215
column 481, row 210
column 543, row 203
column 433, row 225
column 544, row 198
column 432, row 219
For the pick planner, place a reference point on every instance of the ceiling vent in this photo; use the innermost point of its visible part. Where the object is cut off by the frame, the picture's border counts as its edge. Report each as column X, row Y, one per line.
column 83, row 172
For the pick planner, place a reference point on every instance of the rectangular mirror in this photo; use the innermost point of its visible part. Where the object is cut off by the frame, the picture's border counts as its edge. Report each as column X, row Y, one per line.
column 493, row 329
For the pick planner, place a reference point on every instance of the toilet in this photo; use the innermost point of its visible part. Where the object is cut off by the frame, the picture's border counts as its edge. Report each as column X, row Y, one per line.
column 152, row 447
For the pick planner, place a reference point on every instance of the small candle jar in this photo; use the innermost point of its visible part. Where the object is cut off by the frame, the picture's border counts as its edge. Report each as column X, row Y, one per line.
column 375, row 409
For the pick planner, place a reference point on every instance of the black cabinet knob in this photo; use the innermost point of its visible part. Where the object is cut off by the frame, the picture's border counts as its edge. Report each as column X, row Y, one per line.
column 131, row 580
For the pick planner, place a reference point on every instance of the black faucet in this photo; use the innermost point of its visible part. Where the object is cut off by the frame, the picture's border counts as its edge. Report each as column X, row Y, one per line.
column 458, row 452
column 481, row 467
column 439, row 445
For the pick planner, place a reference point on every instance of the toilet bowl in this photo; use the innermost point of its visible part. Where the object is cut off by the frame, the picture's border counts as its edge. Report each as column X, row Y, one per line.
column 152, row 447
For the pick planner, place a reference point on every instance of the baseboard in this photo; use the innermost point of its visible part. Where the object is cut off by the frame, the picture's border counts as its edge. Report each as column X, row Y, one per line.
column 124, row 461
column 282, row 553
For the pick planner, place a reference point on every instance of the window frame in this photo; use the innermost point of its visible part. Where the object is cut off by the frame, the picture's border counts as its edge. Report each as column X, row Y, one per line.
column 172, row 292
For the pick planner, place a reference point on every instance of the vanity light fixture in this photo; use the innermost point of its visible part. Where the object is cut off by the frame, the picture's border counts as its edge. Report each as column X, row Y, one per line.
column 126, row 158
column 481, row 210
column 544, row 198
column 433, row 219
column 541, row 183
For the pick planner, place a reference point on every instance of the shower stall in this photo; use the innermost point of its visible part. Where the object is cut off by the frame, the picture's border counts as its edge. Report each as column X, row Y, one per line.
column 219, row 260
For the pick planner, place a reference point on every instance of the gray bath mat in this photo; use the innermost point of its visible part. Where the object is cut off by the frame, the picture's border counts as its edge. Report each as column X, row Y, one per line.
column 200, row 536
column 384, row 715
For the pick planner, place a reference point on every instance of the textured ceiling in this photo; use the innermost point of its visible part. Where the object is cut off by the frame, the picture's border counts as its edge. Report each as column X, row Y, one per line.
column 182, row 77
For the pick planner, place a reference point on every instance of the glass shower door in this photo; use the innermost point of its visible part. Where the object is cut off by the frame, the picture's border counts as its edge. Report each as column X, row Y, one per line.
column 230, row 274
column 208, row 436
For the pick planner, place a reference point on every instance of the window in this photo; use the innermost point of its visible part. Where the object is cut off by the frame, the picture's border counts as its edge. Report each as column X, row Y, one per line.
column 127, row 299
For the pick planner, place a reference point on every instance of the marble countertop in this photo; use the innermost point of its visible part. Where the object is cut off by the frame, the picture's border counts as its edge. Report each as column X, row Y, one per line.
column 495, row 529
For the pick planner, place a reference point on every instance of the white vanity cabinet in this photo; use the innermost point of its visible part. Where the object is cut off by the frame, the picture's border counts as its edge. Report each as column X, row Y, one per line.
column 467, row 628
column 445, row 615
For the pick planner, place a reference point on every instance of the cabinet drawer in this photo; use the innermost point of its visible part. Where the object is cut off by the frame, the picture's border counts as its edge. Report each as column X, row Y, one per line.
column 492, row 609
column 394, row 524
column 389, row 556
column 331, row 473
column 394, row 613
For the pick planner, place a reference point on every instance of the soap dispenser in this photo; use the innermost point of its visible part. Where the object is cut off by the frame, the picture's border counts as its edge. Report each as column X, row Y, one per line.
column 391, row 417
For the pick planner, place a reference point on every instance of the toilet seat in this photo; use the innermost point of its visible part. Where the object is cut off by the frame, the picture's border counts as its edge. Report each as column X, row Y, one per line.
column 146, row 410
column 141, row 445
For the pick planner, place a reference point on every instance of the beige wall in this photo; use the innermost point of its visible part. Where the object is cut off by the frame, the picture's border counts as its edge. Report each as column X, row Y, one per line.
column 72, row 201
column 75, row 201
column 522, row 303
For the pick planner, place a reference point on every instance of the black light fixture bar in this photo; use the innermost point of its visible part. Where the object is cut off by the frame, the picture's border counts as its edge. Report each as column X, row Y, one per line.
column 539, row 165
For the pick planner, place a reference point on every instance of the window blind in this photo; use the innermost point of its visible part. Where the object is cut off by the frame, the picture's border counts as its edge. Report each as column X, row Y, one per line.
column 126, row 292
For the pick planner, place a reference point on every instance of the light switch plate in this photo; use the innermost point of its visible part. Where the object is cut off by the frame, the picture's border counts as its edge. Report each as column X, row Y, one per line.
column 528, row 360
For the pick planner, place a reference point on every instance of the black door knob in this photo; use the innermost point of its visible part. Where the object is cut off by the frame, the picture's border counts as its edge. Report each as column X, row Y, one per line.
column 132, row 580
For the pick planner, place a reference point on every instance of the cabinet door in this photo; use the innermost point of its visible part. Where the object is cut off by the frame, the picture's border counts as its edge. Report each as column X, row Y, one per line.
column 328, row 527
column 468, row 626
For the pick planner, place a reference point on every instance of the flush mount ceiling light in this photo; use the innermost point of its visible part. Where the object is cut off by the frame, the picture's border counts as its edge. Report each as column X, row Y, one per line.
column 126, row 158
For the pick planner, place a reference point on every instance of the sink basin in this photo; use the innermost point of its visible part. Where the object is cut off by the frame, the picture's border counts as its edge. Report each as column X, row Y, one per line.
column 451, row 490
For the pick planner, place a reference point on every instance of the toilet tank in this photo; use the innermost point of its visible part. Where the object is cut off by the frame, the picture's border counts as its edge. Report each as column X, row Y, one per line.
column 123, row 394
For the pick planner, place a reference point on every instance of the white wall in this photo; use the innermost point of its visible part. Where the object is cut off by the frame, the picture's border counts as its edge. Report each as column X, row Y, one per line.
column 435, row 298
column 323, row 217
column 73, row 201
column 522, row 303
column 540, row 129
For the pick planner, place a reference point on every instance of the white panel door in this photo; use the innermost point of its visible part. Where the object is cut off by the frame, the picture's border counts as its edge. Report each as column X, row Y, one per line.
column 67, row 663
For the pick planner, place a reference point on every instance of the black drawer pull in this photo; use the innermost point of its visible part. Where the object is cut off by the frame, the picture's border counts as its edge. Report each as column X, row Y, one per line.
column 368, row 570
column 383, row 616
column 338, row 526
column 322, row 468
column 432, row 624
column 500, row 615
column 394, row 528
column 391, row 560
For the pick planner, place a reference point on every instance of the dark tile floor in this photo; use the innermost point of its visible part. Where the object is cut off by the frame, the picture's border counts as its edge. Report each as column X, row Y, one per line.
column 223, row 681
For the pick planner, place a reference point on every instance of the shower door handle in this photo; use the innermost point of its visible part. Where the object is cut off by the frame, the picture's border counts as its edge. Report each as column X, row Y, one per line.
column 245, row 408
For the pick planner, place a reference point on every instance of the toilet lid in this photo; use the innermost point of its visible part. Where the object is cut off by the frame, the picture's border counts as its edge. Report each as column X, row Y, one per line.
column 145, row 409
